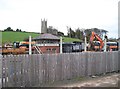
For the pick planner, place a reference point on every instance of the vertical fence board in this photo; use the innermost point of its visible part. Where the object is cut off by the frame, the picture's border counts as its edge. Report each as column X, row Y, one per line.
column 0, row 71
column 80, row 66
column 117, row 65
column 17, row 71
column 100, row 67
column 118, row 60
column 59, row 67
column 8, row 70
column 110, row 56
column 77, row 65
column 37, row 66
column 40, row 69
column 89, row 64
column 71, row 65
column 97, row 63
column 65, row 67
column 5, row 71
column 44, row 68
column 54, row 67
column 82, row 63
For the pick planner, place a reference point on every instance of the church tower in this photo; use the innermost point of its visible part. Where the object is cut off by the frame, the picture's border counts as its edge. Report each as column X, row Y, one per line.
column 43, row 26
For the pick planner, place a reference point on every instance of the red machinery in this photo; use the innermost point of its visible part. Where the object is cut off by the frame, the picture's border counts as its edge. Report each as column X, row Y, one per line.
column 93, row 36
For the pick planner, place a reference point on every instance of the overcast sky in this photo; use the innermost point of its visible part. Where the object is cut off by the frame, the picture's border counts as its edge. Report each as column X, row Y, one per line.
column 27, row 14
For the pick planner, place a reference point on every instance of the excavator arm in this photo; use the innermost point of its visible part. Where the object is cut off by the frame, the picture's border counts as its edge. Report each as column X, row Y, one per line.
column 93, row 36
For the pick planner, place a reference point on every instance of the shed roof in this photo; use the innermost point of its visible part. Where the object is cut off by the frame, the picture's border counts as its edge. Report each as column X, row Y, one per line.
column 47, row 36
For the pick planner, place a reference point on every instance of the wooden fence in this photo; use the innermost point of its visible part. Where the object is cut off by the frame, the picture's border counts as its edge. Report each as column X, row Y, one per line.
column 31, row 70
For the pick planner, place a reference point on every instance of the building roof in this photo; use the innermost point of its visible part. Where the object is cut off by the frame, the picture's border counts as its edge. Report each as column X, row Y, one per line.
column 47, row 36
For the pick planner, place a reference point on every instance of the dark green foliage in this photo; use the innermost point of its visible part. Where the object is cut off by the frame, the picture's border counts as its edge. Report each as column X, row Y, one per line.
column 8, row 29
column 18, row 30
column 79, row 33
column 60, row 33
column 71, row 33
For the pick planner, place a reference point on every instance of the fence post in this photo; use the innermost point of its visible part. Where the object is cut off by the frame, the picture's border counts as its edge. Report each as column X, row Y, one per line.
column 86, row 64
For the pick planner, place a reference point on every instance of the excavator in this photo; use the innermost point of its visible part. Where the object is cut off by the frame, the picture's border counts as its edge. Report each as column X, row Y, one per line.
column 93, row 47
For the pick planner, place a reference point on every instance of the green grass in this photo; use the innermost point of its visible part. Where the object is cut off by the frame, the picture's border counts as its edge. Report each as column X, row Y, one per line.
column 20, row 36
column 67, row 39
column 16, row 36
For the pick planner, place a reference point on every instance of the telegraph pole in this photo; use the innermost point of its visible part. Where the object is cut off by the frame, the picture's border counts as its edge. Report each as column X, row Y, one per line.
column 85, row 43
column 60, row 44
column 105, row 46
column 85, row 46
column 30, row 51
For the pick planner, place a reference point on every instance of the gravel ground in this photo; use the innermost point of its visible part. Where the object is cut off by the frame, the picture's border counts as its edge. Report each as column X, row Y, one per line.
column 107, row 80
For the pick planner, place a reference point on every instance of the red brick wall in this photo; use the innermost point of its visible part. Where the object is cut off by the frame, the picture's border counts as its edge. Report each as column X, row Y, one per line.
column 44, row 49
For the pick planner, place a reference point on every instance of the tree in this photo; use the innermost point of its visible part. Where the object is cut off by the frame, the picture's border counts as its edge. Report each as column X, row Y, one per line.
column 18, row 30
column 79, row 34
column 60, row 33
column 8, row 29
column 52, row 30
column 71, row 33
column 100, row 32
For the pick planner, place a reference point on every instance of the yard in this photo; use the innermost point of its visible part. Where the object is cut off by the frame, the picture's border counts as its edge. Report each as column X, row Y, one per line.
column 105, row 80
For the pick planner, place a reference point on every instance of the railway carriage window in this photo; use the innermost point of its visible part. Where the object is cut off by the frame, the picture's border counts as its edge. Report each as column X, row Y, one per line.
column 97, row 44
column 16, row 44
column 39, row 42
column 112, row 45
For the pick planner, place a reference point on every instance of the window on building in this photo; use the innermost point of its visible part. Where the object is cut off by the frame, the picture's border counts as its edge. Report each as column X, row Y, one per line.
column 48, row 50
column 54, row 50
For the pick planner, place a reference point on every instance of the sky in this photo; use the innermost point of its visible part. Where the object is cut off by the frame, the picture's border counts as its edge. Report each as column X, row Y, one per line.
column 27, row 14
